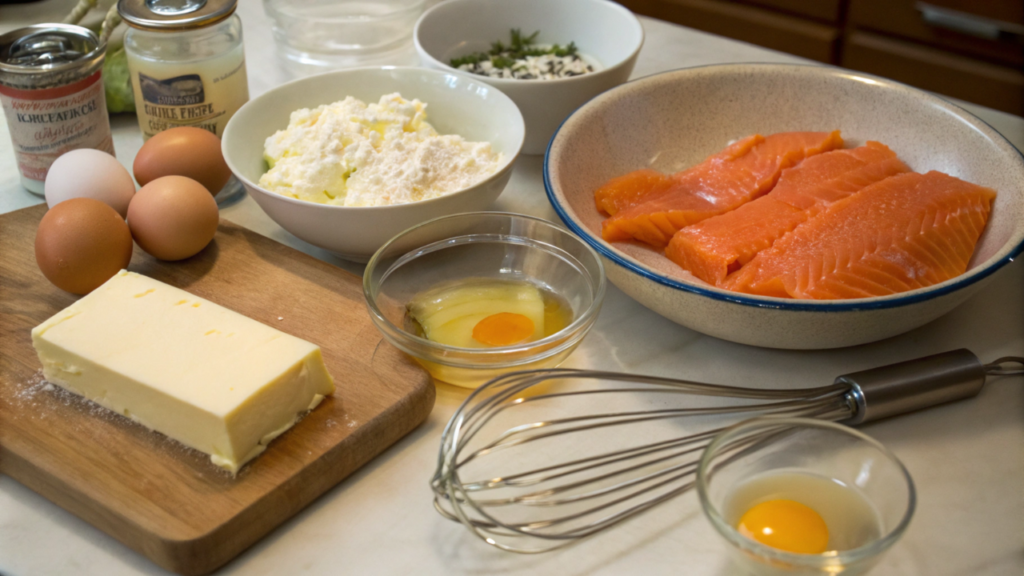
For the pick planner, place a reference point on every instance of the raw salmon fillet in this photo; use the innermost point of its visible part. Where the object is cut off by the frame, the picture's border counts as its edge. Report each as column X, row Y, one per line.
column 903, row 233
column 721, row 183
column 718, row 246
column 633, row 188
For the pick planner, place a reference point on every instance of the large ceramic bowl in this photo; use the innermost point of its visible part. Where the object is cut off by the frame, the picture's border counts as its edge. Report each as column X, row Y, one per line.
column 604, row 32
column 456, row 104
column 674, row 120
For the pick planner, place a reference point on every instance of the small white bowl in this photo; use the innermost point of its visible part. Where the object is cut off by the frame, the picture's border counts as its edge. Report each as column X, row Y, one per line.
column 603, row 31
column 676, row 119
column 456, row 104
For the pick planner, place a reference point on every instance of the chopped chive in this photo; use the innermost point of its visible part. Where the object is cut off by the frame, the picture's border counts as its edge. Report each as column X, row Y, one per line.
column 510, row 60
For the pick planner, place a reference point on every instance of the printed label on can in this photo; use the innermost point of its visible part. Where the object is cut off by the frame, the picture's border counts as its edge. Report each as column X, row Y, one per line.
column 49, row 122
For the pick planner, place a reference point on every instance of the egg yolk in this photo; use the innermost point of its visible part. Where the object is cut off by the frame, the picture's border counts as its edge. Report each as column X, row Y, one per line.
column 786, row 525
column 503, row 329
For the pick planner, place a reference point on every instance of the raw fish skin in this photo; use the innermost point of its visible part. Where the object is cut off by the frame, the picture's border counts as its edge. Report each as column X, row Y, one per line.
column 906, row 232
column 719, row 184
column 720, row 245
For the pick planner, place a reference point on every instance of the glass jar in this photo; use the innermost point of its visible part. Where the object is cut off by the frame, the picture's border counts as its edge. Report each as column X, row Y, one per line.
column 186, row 62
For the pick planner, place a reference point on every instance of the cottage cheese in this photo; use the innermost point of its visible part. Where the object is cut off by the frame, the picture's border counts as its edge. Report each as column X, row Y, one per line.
column 350, row 153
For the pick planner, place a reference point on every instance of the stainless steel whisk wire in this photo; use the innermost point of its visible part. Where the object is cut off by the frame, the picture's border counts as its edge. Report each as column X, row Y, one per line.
column 620, row 483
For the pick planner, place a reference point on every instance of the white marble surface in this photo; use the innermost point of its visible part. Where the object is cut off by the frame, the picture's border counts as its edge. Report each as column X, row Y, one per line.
column 966, row 459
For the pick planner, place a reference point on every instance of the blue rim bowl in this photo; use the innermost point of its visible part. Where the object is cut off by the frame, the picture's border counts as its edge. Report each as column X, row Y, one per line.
column 672, row 120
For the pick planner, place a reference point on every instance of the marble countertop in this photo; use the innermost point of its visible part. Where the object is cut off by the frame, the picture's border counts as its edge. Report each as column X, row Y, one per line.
column 967, row 459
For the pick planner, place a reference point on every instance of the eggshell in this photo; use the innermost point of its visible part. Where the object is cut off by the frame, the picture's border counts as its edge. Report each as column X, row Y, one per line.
column 81, row 243
column 183, row 151
column 88, row 173
column 173, row 217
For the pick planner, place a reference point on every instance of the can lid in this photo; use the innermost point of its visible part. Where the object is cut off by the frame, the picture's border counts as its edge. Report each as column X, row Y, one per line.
column 164, row 15
column 47, row 48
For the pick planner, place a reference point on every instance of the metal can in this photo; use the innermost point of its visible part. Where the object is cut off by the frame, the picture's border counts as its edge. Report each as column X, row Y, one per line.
column 51, row 89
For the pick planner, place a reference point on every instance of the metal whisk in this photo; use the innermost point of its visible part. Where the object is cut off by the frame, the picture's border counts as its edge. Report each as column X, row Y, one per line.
column 535, row 460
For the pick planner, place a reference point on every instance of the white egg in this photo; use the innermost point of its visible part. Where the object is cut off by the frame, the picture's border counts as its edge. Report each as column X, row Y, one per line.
column 88, row 173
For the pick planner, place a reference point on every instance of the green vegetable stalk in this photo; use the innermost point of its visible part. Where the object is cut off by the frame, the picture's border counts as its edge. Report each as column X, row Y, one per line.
column 116, row 80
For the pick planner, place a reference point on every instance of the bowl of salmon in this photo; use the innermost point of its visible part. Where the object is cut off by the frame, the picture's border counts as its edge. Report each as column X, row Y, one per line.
column 788, row 206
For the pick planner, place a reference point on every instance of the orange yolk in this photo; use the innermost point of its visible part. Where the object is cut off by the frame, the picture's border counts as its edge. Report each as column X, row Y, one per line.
column 786, row 525
column 503, row 329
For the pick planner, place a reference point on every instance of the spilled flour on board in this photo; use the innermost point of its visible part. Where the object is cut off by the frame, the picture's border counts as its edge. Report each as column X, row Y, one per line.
column 36, row 391
column 35, row 398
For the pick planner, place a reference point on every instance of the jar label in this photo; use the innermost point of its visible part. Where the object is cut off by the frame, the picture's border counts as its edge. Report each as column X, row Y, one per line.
column 178, row 91
column 48, row 122
column 203, row 95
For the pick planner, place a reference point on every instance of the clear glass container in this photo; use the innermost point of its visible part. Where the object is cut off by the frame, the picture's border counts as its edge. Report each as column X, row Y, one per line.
column 193, row 77
column 773, row 448
column 483, row 245
column 186, row 62
column 320, row 34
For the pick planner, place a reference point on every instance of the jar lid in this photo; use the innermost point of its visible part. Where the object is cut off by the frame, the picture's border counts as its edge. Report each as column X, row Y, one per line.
column 174, row 14
column 45, row 48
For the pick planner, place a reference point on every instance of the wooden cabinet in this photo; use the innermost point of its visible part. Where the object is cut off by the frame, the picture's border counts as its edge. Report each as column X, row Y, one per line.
column 768, row 28
column 971, row 28
column 961, row 48
column 947, row 73
column 825, row 10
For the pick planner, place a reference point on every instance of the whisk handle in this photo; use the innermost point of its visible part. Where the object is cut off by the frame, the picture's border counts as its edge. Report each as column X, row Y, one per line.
column 914, row 385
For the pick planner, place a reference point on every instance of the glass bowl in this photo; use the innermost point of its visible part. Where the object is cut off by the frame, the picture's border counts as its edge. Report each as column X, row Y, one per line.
column 761, row 447
column 487, row 245
column 342, row 33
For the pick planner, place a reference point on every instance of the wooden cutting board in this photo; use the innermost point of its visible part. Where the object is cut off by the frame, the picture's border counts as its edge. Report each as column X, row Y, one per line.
column 156, row 496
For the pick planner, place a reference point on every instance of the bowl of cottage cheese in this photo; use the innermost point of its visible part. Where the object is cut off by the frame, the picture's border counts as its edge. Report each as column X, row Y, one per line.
column 348, row 159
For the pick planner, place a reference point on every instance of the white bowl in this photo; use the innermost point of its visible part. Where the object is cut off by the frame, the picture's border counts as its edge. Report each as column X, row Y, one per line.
column 673, row 120
column 603, row 31
column 456, row 104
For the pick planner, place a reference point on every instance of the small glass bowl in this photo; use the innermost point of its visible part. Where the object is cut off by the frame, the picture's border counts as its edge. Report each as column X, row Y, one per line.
column 829, row 450
column 483, row 245
column 342, row 33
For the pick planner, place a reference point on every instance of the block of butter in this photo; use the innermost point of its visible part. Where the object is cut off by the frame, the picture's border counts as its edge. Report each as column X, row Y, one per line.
column 207, row 377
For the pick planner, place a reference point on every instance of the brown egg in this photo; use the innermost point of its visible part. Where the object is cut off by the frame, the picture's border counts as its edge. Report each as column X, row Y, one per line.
column 81, row 243
column 173, row 217
column 183, row 151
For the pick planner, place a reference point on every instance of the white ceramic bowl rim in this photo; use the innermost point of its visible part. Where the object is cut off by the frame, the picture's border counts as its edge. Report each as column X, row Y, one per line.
column 872, row 548
column 876, row 303
column 630, row 17
column 508, row 158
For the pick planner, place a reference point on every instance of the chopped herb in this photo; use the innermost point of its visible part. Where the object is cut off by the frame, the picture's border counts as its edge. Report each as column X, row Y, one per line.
column 471, row 59
column 569, row 50
column 522, row 58
column 502, row 62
